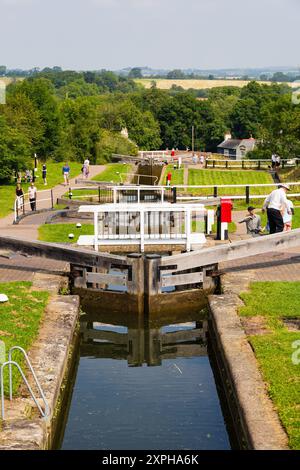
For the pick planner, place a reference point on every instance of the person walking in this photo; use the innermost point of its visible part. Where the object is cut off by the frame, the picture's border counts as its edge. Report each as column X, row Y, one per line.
column 274, row 204
column 169, row 177
column 20, row 196
column 32, row 196
column 253, row 223
column 66, row 172
column 44, row 174
column 288, row 213
column 86, row 168
column 273, row 158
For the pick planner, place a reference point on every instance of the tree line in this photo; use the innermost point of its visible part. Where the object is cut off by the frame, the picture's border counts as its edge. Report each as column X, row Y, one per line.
column 66, row 115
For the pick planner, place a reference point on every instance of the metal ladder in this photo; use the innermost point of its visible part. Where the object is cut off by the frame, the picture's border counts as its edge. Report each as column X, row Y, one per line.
column 44, row 412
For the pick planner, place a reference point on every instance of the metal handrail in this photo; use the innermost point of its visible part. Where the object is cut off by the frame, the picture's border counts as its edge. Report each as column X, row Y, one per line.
column 44, row 413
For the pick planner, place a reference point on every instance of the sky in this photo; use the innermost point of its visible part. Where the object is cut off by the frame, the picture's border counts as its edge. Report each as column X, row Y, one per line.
column 168, row 34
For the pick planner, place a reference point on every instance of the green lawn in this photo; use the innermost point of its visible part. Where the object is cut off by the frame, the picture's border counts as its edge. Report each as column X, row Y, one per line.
column 217, row 177
column 59, row 233
column 20, row 318
column 274, row 301
column 54, row 177
column 112, row 172
column 177, row 176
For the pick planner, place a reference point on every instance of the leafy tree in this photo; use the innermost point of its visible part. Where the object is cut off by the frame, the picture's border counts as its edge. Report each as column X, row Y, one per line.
column 136, row 72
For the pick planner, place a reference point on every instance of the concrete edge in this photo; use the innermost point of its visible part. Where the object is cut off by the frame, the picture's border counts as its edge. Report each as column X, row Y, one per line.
column 257, row 419
column 23, row 428
column 29, row 214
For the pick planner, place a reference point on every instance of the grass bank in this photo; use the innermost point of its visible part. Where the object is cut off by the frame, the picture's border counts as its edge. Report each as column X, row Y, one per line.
column 113, row 173
column 59, row 233
column 277, row 348
column 20, row 319
column 230, row 177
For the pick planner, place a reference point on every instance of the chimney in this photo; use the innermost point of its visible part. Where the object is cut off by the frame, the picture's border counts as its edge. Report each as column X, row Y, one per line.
column 228, row 136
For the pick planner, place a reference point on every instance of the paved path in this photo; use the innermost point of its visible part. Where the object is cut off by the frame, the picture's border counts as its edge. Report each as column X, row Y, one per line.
column 274, row 266
column 28, row 228
column 22, row 268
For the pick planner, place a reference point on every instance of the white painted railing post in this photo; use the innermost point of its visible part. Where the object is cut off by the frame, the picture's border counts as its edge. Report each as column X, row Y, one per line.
column 96, row 231
column 188, row 229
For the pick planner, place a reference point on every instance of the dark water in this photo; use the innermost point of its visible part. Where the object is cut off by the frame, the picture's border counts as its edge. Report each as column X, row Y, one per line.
column 144, row 386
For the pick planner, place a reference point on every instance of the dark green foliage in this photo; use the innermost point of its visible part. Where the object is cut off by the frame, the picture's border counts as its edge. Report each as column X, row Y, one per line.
column 68, row 115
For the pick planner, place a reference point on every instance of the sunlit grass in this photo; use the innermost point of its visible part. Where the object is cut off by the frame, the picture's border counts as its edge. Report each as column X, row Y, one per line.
column 275, row 301
column 20, row 318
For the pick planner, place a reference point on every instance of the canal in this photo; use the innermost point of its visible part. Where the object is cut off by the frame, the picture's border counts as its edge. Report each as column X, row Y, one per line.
column 145, row 384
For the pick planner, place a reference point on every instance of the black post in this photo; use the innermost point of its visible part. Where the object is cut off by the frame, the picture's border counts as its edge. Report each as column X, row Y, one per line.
column 214, row 163
column 247, row 194
column 226, row 163
column 283, row 164
column 99, row 195
column 259, row 164
column 52, row 200
column 216, row 191
column 243, row 164
column 206, row 163
column 174, row 191
column 70, row 193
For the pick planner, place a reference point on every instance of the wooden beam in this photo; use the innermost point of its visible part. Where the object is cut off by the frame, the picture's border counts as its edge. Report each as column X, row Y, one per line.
column 100, row 278
column 233, row 251
column 77, row 256
column 181, row 279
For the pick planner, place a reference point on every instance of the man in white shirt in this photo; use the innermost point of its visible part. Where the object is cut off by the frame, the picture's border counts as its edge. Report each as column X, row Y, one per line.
column 32, row 196
column 288, row 216
column 275, row 203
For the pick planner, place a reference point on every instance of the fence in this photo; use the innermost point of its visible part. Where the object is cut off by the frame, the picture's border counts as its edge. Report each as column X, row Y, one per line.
column 44, row 201
column 249, row 164
column 180, row 193
column 207, row 192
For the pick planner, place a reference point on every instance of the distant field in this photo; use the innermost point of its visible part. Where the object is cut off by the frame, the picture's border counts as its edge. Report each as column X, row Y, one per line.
column 166, row 84
column 8, row 80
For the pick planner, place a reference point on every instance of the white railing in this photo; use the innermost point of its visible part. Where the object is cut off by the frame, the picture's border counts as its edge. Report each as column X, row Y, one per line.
column 23, row 205
column 10, row 363
column 153, row 153
column 148, row 224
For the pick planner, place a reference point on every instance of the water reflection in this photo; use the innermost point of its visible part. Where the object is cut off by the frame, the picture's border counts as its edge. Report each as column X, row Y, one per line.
column 142, row 345
column 120, row 401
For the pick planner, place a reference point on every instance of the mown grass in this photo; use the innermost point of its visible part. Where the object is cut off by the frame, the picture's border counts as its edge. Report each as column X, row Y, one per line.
column 112, row 172
column 20, row 319
column 54, row 177
column 177, row 176
column 59, row 233
column 230, row 177
column 275, row 351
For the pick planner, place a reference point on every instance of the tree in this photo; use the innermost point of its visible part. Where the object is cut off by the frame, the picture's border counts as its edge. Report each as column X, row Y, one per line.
column 15, row 150
column 176, row 74
column 136, row 72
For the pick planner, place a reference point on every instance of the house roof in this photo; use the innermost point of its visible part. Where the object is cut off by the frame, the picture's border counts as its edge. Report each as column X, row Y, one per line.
column 235, row 143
